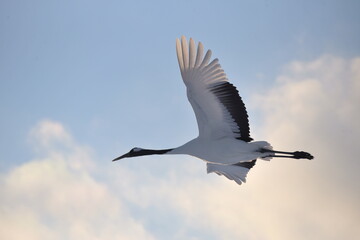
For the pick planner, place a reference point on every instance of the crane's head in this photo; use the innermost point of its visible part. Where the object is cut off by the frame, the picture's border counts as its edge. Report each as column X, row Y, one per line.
column 135, row 152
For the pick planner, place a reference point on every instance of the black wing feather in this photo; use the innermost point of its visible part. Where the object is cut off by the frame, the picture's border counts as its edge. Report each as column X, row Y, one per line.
column 228, row 95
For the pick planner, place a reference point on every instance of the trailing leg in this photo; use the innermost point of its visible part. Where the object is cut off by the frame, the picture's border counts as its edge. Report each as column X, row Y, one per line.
column 296, row 155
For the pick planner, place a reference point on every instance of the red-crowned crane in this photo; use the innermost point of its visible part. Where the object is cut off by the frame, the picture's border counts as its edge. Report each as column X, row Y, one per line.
column 224, row 141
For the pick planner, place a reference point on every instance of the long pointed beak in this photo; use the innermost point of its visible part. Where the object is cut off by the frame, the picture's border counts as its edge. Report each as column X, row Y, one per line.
column 122, row 156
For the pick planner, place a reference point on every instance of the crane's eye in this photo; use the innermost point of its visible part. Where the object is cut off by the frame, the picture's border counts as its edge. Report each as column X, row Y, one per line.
column 136, row 149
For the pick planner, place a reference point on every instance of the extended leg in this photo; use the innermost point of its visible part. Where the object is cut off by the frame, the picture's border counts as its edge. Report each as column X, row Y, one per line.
column 296, row 155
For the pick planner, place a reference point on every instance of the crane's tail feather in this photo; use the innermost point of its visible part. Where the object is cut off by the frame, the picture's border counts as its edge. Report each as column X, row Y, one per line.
column 265, row 155
column 232, row 172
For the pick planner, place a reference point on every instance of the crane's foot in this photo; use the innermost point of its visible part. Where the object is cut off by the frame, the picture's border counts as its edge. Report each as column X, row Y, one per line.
column 300, row 154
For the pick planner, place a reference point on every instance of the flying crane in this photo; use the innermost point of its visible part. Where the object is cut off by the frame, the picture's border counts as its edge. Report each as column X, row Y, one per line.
column 224, row 141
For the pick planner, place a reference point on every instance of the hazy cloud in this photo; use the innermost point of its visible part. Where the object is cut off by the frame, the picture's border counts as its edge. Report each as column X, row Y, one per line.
column 55, row 196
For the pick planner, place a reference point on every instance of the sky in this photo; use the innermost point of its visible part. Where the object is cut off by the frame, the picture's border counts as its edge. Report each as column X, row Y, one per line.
column 82, row 82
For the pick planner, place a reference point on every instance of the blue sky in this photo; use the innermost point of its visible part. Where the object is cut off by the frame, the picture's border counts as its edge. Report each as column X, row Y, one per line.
column 82, row 82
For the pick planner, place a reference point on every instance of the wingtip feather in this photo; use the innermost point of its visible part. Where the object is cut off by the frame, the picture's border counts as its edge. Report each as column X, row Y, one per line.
column 192, row 51
column 199, row 54
column 179, row 55
column 206, row 58
column 191, row 57
column 185, row 52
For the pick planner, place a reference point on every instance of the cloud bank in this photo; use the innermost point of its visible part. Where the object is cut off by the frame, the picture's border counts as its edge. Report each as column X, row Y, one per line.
column 56, row 196
column 63, row 193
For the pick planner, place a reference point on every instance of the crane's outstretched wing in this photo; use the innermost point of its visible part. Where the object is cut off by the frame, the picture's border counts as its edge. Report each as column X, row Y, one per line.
column 236, row 172
column 220, row 111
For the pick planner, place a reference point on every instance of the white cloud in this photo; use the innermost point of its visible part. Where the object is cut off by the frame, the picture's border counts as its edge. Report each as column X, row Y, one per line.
column 317, row 103
column 56, row 197
column 314, row 107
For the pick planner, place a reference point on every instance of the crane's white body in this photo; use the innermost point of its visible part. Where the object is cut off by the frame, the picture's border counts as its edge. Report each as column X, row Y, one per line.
column 223, row 151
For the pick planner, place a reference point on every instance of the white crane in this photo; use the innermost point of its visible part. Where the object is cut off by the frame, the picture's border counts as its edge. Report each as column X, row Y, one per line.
column 224, row 141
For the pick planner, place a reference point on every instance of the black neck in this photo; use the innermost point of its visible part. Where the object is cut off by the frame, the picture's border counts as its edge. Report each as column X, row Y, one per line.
column 151, row 151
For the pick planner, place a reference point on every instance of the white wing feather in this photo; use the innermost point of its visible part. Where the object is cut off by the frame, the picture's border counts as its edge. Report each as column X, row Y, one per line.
column 214, row 121
column 232, row 172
